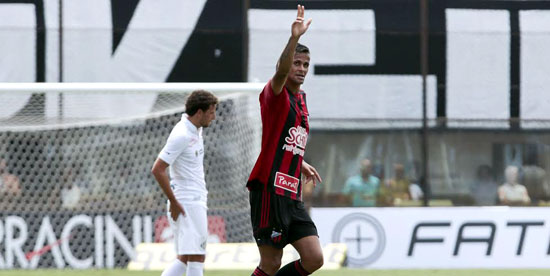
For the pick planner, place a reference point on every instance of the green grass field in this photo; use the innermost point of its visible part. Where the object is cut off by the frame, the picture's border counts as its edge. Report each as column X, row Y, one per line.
column 341, row 272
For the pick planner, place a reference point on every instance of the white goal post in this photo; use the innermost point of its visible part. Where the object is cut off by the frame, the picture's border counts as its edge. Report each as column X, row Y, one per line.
column 54, row 105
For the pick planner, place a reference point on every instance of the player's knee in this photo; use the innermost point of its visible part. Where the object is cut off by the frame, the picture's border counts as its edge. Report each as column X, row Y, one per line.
column 313, row 262
column 271, row 264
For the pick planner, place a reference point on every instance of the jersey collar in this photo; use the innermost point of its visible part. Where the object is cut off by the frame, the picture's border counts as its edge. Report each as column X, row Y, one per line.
column 190, row 125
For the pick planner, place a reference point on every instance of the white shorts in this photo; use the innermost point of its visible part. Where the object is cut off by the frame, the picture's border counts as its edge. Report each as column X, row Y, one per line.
column 190, row 231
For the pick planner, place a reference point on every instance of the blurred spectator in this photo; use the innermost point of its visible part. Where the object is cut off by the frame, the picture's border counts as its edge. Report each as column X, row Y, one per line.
column 10, row 186
column 511, row 192
column 534, row 179
column 484, row 189
column 70, row 191
column 415, row 191
column 396, row 189
column 362, row 188
column 378, row 171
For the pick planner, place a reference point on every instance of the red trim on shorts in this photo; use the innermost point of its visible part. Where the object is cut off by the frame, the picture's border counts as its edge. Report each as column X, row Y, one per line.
column 266, row 198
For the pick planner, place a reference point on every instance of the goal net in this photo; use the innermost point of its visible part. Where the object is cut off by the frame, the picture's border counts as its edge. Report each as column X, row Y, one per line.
column 75, row 159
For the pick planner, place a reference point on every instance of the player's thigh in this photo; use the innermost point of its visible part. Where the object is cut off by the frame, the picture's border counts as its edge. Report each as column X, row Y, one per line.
column 195, row 220
column 199, row 218
column 302, row 225
column 309, row 248
column 192, row 231
column 270, row 218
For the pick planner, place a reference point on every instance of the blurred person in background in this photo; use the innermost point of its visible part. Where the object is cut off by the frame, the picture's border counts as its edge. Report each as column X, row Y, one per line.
column 70, row 191
column 415, row 191
column 512, row 192
column 484, row 189
column 10, row 185
column 396, row 189
column 535, row 181
column 363, row 188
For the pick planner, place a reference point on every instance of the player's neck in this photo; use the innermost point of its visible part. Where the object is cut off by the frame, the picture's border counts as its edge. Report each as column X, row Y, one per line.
column 195, row 121
column 293, row 88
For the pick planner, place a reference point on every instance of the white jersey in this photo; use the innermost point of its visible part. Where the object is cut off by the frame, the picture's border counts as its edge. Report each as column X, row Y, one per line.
column 184, row 152
column 515, row 192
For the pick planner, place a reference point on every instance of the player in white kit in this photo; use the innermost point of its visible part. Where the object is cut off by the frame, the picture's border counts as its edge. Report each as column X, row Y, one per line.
column 186, row 186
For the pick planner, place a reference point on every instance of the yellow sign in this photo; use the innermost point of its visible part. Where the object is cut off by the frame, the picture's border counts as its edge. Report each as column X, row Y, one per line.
column 157, row 256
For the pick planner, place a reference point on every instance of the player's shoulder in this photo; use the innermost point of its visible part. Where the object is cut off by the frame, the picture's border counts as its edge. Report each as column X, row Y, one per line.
column 181, row 128
column 267, row 88
column 180, row 131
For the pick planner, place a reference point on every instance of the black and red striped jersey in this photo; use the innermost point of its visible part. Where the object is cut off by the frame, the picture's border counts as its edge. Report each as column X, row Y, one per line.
column 284, row 137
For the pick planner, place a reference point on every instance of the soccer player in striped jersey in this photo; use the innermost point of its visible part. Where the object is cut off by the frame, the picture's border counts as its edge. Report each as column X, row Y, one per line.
column 186, row 190
column 277, row 211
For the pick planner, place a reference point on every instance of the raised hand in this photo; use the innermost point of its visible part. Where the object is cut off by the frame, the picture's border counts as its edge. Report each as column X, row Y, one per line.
column 299, row 26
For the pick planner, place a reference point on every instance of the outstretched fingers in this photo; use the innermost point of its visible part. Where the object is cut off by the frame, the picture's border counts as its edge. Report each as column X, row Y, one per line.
column 308, row 22
column 301, row 16
column 300, row 26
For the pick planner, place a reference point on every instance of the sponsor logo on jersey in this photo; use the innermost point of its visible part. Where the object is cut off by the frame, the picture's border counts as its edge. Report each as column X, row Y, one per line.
column 296, row 140
column 287, row 182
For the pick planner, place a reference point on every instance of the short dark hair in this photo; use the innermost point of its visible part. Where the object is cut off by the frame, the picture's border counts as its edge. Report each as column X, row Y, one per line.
column 301, row 48
column 199, row 99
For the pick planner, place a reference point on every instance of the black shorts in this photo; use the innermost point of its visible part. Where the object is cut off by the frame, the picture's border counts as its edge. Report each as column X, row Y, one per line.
column 278, row 220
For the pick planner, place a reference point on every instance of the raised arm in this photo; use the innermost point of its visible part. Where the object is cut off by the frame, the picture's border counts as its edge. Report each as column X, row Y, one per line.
column 299, row 27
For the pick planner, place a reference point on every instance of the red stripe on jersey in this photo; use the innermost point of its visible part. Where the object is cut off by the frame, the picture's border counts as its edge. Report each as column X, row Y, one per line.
column 301, row 105
column 287, row 159
column 297, row 171
column 285, row 164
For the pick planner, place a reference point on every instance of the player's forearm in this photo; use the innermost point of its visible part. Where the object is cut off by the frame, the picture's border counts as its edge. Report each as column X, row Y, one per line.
column 164, row 182
column 287, row 57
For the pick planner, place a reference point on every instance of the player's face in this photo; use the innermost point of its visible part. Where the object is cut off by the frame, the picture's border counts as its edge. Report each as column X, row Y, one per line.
column 299, row 68
column 208, row 116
